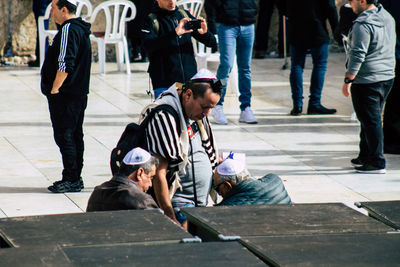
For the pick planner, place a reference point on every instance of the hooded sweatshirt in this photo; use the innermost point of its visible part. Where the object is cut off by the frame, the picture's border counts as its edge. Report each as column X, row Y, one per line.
column 372, row 41
column 69, row 52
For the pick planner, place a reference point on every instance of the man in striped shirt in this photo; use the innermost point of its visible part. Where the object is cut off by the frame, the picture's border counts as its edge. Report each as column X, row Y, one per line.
column 65, row 83
column 178, row 143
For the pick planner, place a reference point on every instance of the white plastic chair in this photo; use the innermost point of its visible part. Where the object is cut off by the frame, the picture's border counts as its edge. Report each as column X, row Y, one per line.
column 193, row 6
column 114, row 31
column 44, row 34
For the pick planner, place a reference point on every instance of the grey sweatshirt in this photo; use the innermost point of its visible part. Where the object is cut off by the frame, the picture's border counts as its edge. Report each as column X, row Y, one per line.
column 372, row 41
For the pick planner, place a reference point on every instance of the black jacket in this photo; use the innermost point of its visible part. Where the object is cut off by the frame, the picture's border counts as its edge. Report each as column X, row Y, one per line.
column 171, row 56
column 69, row 52
column 307, row 21
column 235, row 12
column 119, row 193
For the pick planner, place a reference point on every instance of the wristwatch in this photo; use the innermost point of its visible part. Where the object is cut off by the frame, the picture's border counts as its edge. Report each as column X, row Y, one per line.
column 348, row 80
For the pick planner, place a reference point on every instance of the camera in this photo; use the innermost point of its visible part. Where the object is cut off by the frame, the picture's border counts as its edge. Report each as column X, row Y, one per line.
column 193, row 24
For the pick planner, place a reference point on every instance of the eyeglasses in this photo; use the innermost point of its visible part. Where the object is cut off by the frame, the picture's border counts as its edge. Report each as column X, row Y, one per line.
column 216, row 187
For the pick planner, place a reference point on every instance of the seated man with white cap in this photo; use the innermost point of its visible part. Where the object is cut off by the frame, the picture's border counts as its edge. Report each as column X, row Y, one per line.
column 126, row 190
column 233, row 182
column 187, row 156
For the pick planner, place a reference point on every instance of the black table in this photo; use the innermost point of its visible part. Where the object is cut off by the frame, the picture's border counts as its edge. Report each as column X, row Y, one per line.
column 187, row 254
column 351, row 249
column 387, row 212
column 92, row 228
column 216, row 223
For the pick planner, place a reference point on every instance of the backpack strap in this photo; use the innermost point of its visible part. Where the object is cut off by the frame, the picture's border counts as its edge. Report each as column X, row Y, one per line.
column 156, row 24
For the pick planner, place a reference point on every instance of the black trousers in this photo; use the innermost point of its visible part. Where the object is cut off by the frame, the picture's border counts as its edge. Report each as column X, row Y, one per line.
column 368, row 101
column 67, row 113
column 391, row 117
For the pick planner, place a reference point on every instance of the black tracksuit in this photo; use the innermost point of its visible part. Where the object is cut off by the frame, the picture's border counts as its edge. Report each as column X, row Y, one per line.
column 69, row 52
column 171, row 56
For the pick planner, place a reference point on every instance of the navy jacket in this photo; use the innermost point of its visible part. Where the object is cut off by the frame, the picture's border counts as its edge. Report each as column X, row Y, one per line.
column 235, row 12
column 267, row 190
column 69, row 52
column 307, row 21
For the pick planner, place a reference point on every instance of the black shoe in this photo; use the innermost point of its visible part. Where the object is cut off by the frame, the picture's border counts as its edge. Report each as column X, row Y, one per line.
column 367, row 168
column 357, row 162
column 66, row 186
column 296, row 111
column 34, row 63
column 81, row 183
column 320, row 109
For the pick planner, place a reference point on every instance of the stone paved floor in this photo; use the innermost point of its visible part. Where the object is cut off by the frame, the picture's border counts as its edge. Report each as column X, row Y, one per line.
column 310, row 153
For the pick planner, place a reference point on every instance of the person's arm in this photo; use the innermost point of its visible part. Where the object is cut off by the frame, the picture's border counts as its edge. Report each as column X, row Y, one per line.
column 164, row 141
column 58, row 81
column 360, row 40
column 161, row 189
column 332, row 15
column 346, row 86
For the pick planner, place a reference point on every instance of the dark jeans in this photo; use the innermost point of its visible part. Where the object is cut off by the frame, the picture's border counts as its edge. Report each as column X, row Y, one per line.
column 368, row 101
column 320, row 61
column 391, row 117
column 67, row 113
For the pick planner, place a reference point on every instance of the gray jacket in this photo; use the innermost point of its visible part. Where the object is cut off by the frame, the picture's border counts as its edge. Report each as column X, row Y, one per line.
column 372, row 40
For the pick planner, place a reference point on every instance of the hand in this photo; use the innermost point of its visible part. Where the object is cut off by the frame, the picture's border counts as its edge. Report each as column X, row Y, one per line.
column 203, row 28
column 346, row 89
column 54, row 91
column 180, row 29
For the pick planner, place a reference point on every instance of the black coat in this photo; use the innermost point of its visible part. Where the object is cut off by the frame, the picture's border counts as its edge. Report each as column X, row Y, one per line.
column 171, row 56
column 307, row 21
column 119, row 193
column 235, row 12
column 70, row 52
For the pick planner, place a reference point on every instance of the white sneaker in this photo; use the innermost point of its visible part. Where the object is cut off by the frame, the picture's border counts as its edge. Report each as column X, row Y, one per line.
column 247, row 116
column 218, row 114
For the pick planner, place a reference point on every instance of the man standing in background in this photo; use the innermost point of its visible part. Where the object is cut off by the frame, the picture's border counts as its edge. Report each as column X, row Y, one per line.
column 236, row 37
column 308, row 32
column 65, row 82
column 369, row 77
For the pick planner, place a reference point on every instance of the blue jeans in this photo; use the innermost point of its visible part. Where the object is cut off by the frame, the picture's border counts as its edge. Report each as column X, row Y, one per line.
column 239, row 40
column 368, row 101
column 320, row 61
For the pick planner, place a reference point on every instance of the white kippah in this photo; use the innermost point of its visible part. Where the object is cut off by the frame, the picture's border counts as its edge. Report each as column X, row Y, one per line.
column 204, row 74
column 230, row 167
column 72, row 2
column 136, row 156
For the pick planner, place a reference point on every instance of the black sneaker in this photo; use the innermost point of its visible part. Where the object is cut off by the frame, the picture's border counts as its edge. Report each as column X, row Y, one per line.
column 296, row 111
column 320, row 109
column 367, row 168
column 357, row 162
column 65, row 186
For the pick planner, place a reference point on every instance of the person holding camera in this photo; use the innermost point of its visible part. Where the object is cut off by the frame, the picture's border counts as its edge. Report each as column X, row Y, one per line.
column 166, row 34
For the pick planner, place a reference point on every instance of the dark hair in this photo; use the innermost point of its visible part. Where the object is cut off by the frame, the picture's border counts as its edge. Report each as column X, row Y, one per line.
column 200, row 86
column 64, row 3
column 127, row 170
column 375, row 2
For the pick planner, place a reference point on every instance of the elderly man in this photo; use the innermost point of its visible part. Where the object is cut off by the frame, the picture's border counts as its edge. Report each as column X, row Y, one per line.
column 187, row 156
column 126, row 190
column 369, row 76
column 65, row 82
column 232, row 182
